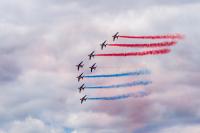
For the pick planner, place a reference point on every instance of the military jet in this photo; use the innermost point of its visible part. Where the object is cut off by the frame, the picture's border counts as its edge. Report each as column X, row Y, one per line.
column 80, row 77
column 115, row 36
column 103, row 45
column 93, row 67
column 91, row 55
column 80, row 65
column 83, row 99
column 82, row 87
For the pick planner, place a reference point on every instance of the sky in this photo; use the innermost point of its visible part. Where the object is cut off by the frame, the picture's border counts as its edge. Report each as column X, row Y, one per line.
column 41, row 41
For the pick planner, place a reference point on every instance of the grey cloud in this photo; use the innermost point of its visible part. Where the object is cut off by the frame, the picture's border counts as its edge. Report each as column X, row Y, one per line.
column 9, row 69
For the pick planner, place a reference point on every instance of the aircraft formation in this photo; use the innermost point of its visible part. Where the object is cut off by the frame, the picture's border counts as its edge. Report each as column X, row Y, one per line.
column 92, row 68
column 159, row 50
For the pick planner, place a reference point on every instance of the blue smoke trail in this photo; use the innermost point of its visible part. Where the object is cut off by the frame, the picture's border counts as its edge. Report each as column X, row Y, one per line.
column 123, row 96
column 134, row 83
column 135, row 73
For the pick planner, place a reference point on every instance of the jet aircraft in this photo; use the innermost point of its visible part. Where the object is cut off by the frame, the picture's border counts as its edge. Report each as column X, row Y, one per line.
column 93, row 67
column 83, row 99
column 80, row 77
column 82, row 87
column 91, row 55
column 80, row 65
column 115, row 36
column 103, row 45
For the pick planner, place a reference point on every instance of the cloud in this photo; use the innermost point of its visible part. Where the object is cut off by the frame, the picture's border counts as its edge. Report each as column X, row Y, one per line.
column 181, row 128
column 32, row 125
column 42, row 41
column 8, row 69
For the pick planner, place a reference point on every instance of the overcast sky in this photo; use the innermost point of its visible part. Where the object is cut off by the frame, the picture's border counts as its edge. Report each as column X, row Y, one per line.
column 41, row 41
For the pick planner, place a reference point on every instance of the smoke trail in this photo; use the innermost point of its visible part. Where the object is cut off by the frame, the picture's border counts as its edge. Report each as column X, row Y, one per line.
column 145, row 45
column 123, row 96
column 172, row 36
column 135, row 73
column 150, row 52
column 130, row 84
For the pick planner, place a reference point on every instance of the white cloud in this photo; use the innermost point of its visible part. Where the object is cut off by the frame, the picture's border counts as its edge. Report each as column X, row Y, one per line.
column 43, row 40
column 32, row 125
column 85, row 120
column 181, row 129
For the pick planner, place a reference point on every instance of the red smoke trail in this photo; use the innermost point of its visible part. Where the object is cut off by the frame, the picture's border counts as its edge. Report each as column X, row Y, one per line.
column 175, row 36
column 162, row 44
column 150, row 52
